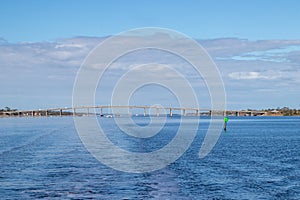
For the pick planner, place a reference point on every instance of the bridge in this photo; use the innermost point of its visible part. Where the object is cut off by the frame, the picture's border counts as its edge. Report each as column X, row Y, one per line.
column 100, row 110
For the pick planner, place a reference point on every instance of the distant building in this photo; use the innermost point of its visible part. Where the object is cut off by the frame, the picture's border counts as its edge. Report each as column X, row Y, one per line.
column 274, row 113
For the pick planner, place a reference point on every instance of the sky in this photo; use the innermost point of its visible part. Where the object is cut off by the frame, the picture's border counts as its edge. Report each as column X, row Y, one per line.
column 255, row 44
column 42, row 20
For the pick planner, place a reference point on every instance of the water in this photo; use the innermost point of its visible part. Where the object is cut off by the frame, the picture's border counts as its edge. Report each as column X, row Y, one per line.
column 257, row 158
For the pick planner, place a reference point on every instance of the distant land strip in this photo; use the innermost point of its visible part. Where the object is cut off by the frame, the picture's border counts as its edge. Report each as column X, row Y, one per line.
column 83, row 111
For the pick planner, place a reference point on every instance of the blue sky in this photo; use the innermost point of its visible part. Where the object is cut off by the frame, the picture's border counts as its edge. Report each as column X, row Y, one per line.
column 255, row 44
column 43, row 20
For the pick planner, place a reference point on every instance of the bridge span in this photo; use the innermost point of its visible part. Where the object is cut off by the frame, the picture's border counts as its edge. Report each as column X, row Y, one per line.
column 105, row 110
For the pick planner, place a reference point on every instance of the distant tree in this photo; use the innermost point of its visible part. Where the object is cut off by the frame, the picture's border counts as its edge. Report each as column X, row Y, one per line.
column 7, row 108
column 285, row 108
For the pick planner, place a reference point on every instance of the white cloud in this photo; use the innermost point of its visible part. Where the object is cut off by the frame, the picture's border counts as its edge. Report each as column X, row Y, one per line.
column 279, row 54
column 55, row 65
column 244, row 75
column 268, row 75
column 271, row 55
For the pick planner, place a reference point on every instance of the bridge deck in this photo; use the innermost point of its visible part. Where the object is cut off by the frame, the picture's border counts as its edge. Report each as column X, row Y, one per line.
column 76, row 111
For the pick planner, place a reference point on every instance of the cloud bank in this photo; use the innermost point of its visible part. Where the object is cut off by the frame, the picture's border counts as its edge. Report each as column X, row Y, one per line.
column 257, row 74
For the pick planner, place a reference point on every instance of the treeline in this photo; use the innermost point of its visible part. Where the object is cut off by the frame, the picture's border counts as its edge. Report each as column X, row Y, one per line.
column 285, row 111
column 7, row 109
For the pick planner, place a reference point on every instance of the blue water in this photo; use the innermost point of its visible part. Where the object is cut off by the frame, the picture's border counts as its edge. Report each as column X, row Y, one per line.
column 257, row 158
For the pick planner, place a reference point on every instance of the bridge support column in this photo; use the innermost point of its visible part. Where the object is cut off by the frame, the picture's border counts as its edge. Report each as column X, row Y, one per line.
column 101, row 112
column 157, row 112
column 130, row 111
column 74, row 112
column 46, row 113
column 32, row 113
column 144, row 111
column 60, row 112
column 88, row 112
column 183, row 112
column 237, row 113
column 197, row 113
column 171, row 112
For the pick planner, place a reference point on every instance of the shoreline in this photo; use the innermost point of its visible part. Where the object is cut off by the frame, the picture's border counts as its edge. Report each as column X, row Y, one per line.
column 140, row 115
column 144, row 111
